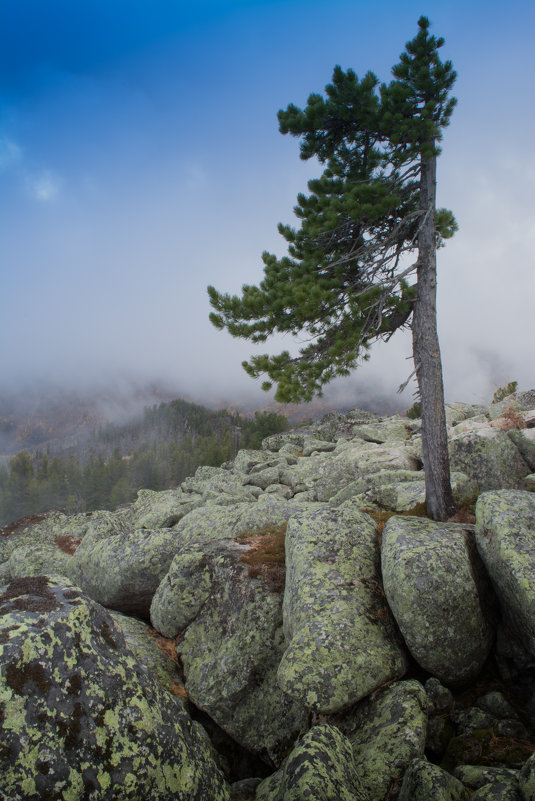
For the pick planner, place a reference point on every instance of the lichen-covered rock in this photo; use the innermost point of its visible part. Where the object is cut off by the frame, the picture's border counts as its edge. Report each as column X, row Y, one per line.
column 320, row 767
column 37, row 559
column 475, row 776
column 224, row 600
column 152, row 650
column 523, row 401
column 226, row 522
column 161, row 509
column 215, row 485
column 79, row 717
column 248, row 460
column 505, row 535
column 436, row 589
column 318, row 472
column 394, row 429
column 387, row 731
column 424, row 781
column 405, row 495
column 458, row 412
column 368, row 457
column 524, row 440
column 498, row 791
column 526, row 780
column 341, row 640
column 335, row 426
column 57, row 528
column 123, row 570
column 489, row 457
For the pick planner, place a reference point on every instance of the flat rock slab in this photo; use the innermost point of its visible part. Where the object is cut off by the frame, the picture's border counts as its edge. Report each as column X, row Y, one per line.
column 79, row 717
column 435, row 586
column 341, row 640
column 505, row 536
column 320, row 767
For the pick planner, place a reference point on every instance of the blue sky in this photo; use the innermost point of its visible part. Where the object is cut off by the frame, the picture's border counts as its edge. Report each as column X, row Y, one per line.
column 140, row 160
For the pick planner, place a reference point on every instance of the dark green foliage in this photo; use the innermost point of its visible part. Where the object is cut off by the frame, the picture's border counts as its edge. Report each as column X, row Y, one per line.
column 415, row 411
column 344, row 283
column 158, row 452
column 503, row 392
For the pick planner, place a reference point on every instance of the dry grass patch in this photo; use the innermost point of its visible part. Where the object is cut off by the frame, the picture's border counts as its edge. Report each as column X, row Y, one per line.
column 67, row 543
column 512, row 419
column 381, row 516
column 266, row 554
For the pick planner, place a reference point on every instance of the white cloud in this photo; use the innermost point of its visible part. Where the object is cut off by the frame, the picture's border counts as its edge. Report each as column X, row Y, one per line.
column 10, row 153
column 43, row 186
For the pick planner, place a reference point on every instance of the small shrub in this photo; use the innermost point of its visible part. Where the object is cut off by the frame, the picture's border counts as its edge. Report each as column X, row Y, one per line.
column 415, row 411
column 503, row 392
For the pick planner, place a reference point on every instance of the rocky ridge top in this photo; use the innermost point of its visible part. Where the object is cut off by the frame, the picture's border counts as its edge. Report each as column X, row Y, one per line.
column 259, row 632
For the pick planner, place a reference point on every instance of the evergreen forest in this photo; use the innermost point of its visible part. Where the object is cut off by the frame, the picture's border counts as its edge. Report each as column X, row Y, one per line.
column 155, row 452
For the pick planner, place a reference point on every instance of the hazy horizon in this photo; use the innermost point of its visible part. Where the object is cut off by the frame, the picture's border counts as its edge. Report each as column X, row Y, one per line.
column 140, row 161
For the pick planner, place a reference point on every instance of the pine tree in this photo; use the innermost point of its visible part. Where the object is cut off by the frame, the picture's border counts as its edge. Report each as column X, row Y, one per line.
column 346, row 280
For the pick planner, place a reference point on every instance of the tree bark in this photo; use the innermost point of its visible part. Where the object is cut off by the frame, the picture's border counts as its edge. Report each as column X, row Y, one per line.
column 426, row 351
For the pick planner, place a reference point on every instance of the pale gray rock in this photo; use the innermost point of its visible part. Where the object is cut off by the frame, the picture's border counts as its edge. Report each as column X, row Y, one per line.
column 524, row 440
column 223, row 598
column 488, row 457
column 362, row 457
column 393, row 429
column 161, row 509
column 341, row 642
column 522, row 401
column 436, row 589
column 121, row 568
column 505, row 535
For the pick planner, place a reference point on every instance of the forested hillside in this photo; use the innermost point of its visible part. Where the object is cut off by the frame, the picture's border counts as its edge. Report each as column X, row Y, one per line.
column 156, row 451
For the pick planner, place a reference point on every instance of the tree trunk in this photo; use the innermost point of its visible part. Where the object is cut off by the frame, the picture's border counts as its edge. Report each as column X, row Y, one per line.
column 426, row 351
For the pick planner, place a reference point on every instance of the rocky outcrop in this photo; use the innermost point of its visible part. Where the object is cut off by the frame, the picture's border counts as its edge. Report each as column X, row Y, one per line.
column 325, row 658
